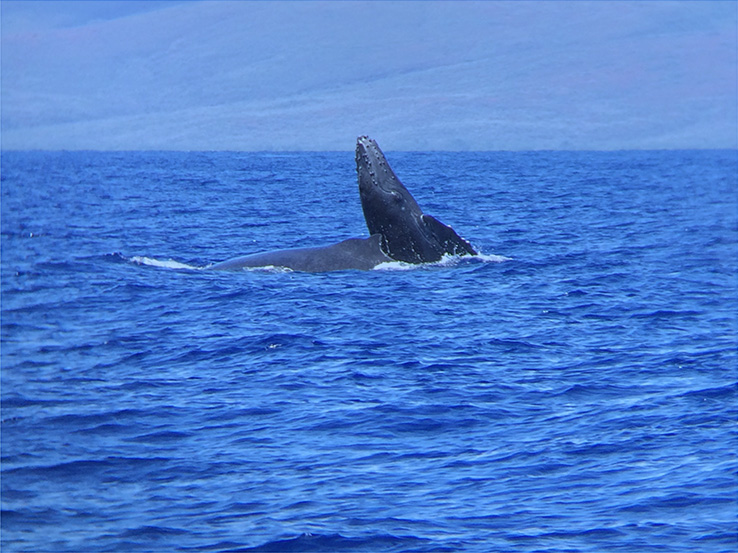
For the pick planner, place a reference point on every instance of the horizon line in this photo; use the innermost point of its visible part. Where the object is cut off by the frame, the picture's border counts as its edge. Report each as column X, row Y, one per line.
column 288, row 151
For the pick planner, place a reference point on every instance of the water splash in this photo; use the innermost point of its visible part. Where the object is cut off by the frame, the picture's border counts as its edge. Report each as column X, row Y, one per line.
column 166, row 264
column 448, row 260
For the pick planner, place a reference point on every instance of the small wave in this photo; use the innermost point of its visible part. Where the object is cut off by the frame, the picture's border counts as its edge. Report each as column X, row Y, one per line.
column 160, row 437
column 397, row 266
column 666, row 314
column 447, row 260
column 82, row 468
column 513, row 346
column 492, row 258
column 336, row 542
column 23, row 401
column 152, row 532
column 166, row 264
column 720, row 393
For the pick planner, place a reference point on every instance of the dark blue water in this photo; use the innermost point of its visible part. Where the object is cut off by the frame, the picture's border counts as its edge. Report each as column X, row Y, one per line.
column 580, row 396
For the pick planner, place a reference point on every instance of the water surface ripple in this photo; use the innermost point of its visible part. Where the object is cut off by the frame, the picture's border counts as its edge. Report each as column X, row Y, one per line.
column 580, row 396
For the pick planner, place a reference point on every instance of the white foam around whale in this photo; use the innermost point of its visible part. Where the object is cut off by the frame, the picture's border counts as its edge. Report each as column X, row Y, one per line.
column 167, row 264
column 447, row 260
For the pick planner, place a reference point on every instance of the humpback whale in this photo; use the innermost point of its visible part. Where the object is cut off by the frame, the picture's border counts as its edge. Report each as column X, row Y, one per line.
column 390, row 210
column 398, row 228
column 355, row 253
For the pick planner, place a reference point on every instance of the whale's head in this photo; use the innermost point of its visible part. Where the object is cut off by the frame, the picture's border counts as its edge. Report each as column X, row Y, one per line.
column 390, row 210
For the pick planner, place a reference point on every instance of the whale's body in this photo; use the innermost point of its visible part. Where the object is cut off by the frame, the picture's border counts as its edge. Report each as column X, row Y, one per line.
column 355, row 253
column 390, row 210
column 399, row 229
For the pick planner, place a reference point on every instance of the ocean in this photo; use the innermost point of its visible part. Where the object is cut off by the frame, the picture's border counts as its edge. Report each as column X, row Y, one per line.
column 572, row 389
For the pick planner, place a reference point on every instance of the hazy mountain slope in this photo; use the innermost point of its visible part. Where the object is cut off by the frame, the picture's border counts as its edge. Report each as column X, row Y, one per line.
column 443, row 75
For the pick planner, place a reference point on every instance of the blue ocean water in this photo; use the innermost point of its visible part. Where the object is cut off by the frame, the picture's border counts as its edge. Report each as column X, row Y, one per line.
column 578, row 396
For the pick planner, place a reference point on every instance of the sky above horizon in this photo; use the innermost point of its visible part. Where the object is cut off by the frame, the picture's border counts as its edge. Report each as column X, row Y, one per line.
column 208, row 75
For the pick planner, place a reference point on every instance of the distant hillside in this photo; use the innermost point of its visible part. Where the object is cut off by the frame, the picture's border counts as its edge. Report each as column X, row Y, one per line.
column 416, row 75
